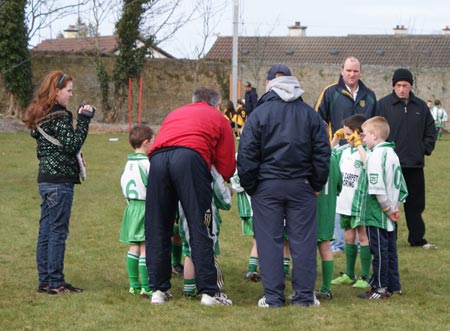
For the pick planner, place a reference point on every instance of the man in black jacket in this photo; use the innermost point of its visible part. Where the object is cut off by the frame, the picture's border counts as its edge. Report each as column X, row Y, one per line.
column 251, row 98
column 283, row 163
column 412, row 130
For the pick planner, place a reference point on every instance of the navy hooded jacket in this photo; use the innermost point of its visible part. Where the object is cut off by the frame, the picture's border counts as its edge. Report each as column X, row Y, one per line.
column 283, row 139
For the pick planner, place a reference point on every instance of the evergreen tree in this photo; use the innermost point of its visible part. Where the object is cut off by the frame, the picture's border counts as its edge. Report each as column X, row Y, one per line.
column 15, row 67
column 130, row 60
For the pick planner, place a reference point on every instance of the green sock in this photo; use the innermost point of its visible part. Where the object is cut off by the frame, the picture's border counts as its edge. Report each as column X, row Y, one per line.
column 351, row 252
column 253, row 262
column 176, row 253
column 327, row 275
column 286, row 263
column 366, row 261
column 143, row 273
column 189, row 287
column 132, row 263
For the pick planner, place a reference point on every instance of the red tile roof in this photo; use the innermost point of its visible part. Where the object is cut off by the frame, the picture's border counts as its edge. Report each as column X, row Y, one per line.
column 106, row 45
column 386, row 50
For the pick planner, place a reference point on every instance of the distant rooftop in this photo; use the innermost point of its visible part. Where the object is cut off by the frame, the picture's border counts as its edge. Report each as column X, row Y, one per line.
column 399, row 49
column 106, row 45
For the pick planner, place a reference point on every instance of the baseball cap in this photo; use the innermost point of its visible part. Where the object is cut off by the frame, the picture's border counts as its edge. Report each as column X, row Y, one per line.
column 248, row 84
column 278, row 68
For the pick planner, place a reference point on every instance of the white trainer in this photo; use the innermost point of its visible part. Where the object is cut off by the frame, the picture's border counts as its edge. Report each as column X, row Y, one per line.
column 429, row 246
column 262, row 303
column 219, row 299
column 159, row 297
column 316, row 302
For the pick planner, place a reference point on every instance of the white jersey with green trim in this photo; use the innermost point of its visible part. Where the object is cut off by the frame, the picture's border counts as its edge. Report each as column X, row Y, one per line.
column 243, row 199
column 385, row 177
column 134, row 177
column 351, row 200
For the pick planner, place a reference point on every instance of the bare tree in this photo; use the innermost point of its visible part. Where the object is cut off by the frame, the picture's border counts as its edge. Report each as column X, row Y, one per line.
column 41, row 13
column 163, row 18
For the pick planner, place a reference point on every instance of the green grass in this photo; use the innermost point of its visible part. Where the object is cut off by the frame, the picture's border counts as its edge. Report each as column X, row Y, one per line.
column 95, row 261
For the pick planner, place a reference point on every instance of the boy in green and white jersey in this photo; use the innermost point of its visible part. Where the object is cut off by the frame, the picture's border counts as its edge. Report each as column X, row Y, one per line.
column 244, row 204
column 326, row 210
column 134, row 188
column 221, row 200
column 386, row 188
column 351, row 201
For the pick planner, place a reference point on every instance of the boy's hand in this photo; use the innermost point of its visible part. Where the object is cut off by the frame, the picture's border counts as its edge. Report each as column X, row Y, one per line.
column 394, row 217
column 339, row 134
column 355, row 139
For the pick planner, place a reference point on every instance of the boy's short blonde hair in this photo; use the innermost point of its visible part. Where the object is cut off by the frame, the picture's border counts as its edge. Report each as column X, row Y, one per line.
column 379, row 125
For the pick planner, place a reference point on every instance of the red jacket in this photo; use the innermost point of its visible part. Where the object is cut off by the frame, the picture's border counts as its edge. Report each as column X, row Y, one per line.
column 204, row 129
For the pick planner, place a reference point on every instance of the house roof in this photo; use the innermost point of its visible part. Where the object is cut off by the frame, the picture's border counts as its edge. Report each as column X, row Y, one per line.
column 385, row 50
column 106, row 45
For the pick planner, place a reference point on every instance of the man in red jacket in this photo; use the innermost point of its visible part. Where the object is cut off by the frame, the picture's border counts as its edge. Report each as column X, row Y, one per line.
column 190, row 140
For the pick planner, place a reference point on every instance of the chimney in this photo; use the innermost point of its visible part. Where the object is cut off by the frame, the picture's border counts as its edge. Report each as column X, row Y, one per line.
column 446, row 31
column 297, row 30
column 400, row 30
column 71, row 32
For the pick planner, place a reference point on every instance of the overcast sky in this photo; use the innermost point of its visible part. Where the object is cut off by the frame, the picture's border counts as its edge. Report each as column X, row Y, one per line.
column 322, row 18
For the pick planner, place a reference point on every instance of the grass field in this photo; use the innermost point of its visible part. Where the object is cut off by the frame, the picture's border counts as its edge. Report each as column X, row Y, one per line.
column 95, row 261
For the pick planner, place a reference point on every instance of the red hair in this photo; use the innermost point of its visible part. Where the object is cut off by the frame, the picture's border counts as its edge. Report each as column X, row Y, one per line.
column 45, row 97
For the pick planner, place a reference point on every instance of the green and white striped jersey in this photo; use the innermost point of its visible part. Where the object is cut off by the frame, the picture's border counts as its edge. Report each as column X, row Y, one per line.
column 385, row 177
column 243, row 199
column 351, row 201
column 134, row 177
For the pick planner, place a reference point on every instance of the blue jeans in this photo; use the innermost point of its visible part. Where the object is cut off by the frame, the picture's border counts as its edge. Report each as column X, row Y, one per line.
column 56, row 206
column 338, row 243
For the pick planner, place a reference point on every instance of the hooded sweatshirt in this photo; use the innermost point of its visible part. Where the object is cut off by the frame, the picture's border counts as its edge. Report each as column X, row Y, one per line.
column 283, row 139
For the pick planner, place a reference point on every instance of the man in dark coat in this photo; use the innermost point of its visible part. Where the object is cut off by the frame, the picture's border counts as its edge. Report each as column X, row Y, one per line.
column 251, row 98
column 283, row 163
column 413, row 132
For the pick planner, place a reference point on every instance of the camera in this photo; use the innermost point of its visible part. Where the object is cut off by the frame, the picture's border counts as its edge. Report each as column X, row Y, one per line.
column 85, row 112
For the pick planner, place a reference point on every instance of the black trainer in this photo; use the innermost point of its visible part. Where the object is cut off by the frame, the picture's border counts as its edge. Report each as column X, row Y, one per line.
column 178, row 269
column 64, row 288
column 42, row 288
column 374, row 294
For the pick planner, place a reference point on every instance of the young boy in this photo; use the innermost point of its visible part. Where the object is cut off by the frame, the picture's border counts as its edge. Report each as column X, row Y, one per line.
column 134, row 188
column 326, row 210
column 221, row 200
column 351, row 201
column 386, row 188
column 245, row 212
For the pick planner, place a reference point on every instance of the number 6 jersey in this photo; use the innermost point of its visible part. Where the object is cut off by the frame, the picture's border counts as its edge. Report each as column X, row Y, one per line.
column 134, row 177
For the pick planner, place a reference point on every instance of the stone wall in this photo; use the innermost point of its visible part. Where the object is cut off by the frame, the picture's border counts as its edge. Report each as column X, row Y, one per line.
column 429, row 83
column 168, row 83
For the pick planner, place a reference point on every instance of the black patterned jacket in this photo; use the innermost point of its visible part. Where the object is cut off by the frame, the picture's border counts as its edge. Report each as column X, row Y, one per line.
column 58, row 164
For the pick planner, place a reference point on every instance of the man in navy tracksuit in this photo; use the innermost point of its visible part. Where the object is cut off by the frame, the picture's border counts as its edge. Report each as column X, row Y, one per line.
column 283, row 163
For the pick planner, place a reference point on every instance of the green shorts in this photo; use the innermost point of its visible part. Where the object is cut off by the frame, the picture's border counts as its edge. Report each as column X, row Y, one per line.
column 351, row 222
column 325, row 229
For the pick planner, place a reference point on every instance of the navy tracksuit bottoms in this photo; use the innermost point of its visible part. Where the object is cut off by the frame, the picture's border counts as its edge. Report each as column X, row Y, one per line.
column 275, row 202
column 179, row 174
